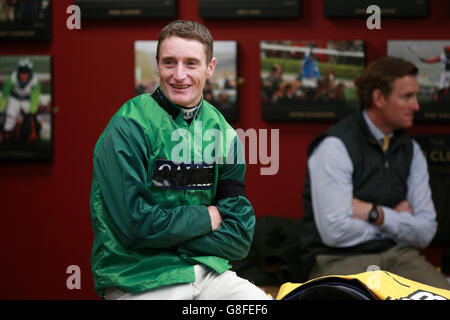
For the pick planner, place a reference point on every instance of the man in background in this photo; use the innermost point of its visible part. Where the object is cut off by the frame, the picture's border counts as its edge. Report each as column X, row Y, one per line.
column 367, row 200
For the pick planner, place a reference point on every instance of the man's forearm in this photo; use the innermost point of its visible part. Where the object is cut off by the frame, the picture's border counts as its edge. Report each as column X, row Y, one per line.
column 232, row 239
column 362, row 208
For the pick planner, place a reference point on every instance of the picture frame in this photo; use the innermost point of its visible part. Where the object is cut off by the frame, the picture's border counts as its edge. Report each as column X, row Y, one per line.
column 388, row 8
column 26, row 113
column 310, row 80
column 436, row 149
column 119, row 9
column 432, row 58
column 221, row 90
column 25, row 20
column 245, row 9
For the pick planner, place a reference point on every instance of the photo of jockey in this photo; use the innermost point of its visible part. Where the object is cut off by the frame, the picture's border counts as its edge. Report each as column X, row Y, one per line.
column 20, row 102
column 25, row 103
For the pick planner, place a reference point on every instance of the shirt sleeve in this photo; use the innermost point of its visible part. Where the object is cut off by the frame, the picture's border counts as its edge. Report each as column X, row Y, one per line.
column 331, row 169
column 416, row 229
column 121, row 169
column 5, row 93
column 233, row 238
column 34, row 100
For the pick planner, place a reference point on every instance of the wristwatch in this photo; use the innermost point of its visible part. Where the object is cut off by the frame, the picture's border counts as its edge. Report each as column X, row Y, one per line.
column 373, row 214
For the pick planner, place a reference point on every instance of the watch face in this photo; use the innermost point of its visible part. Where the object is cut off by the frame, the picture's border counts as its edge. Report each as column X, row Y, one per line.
column 373, row 215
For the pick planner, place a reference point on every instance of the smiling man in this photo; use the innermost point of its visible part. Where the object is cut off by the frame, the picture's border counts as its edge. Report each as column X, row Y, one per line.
column 165, row 229
column 183, row 73
column 367, row 199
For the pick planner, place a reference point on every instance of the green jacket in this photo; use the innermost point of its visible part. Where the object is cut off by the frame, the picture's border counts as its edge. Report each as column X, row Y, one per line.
column 149, row 211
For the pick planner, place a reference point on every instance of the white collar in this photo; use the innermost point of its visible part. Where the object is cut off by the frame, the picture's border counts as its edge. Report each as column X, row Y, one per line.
column 377, row 133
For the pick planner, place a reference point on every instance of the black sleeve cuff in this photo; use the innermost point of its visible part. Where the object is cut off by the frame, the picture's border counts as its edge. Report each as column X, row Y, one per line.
column 229, row 188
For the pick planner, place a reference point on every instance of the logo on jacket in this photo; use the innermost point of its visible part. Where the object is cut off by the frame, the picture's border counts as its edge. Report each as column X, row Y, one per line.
column 183, row 176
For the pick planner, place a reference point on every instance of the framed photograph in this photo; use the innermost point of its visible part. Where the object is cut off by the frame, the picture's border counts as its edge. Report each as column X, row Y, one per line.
column 432, row 57
column 26, row 117
column 244, row 9
column 25, row 20
column 436, row 148
column 119, row 9
column 312, row 80
column 221, row 90
column 388, row 8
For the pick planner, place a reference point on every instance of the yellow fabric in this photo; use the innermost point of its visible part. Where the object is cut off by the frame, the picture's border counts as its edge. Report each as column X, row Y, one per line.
column 386, row 141
column 384, row 285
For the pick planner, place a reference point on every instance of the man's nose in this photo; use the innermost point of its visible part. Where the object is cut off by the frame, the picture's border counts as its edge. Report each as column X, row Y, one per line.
column 180, row 71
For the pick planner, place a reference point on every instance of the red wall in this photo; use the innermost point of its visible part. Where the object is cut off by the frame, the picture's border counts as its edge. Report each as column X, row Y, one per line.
column 45, row 222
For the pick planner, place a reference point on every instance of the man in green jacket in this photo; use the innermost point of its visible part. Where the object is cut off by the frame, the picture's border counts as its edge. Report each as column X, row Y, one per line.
column 168, row 206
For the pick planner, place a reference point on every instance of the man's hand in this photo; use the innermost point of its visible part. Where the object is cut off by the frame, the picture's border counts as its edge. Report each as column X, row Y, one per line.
column 403, row 206
column 216, row 218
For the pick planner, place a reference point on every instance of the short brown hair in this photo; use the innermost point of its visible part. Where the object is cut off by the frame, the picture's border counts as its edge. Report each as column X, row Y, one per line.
column 187, row 30
column 381, row 75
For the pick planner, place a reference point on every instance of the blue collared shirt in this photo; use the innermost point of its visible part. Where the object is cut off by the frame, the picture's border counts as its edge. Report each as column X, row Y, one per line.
column 331, row 170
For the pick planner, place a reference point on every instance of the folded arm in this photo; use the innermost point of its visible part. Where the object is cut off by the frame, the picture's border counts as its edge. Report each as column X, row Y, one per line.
column 413, row 221
column 233, row 238
column 342, row 219
column 121, row 169
column 331, row 170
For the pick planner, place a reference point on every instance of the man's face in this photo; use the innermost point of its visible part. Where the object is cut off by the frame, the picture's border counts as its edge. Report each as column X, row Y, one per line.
column 24, row 76
column 183, row 70
column 399, row 107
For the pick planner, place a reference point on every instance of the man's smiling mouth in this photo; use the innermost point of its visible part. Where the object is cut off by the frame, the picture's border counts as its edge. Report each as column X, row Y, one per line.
column 180, row 86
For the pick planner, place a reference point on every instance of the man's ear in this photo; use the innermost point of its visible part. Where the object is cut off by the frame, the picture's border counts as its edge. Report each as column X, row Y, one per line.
column 378, row 98
column 211, row 66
